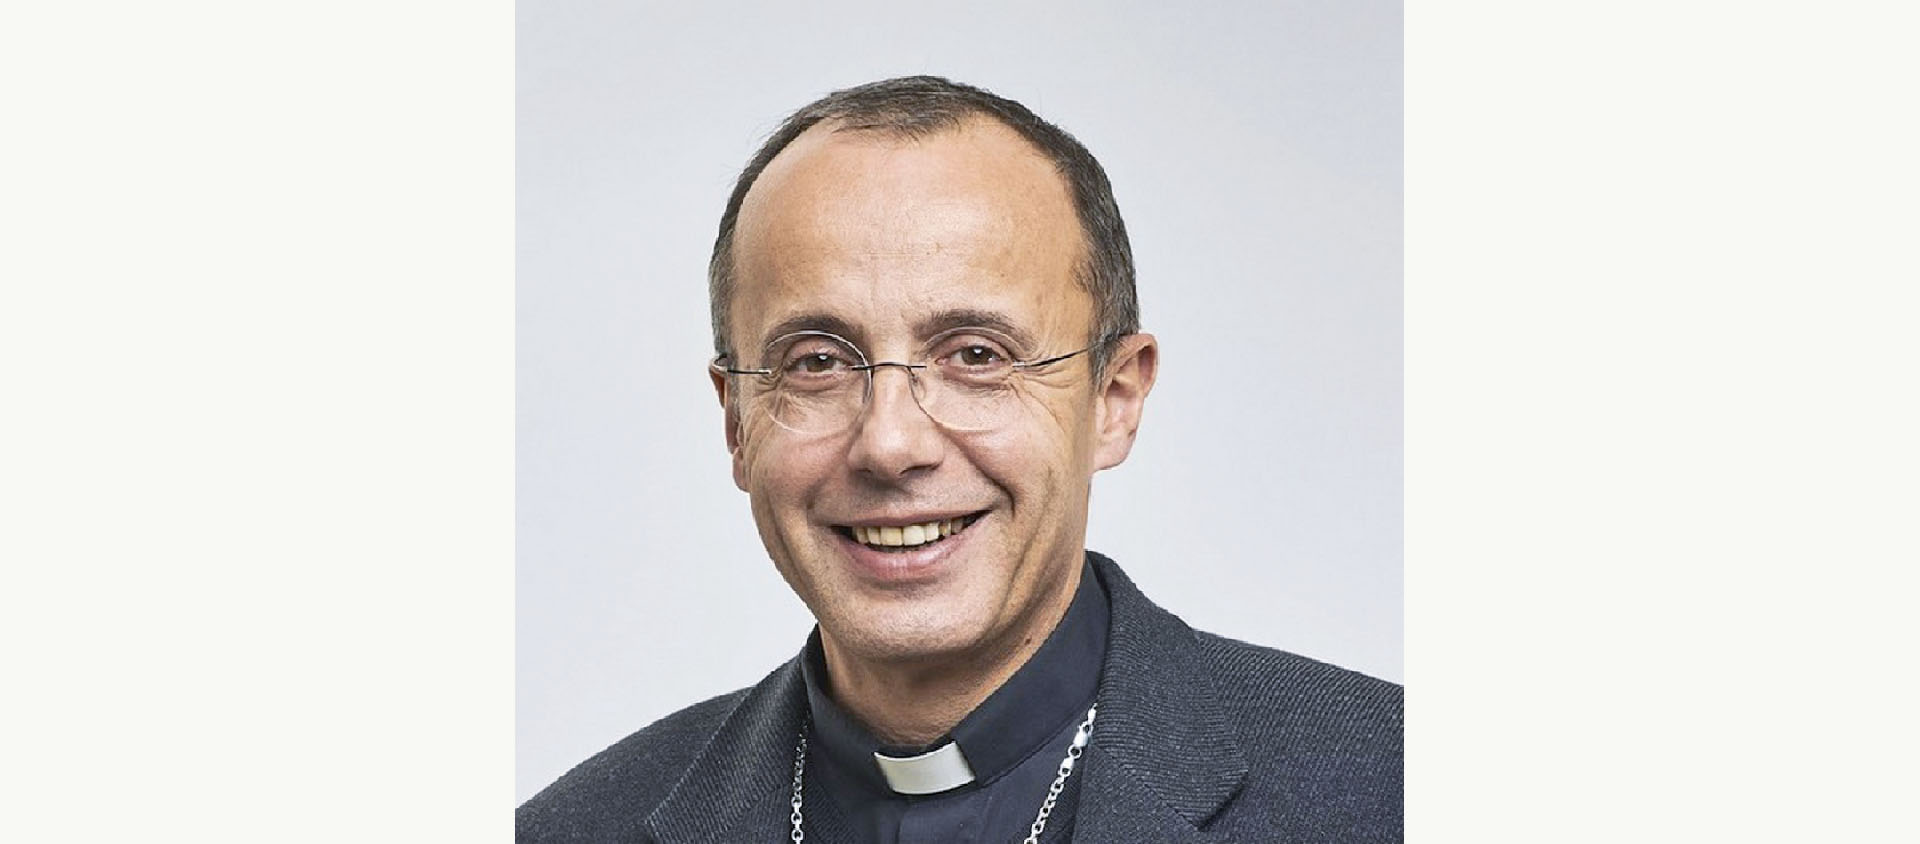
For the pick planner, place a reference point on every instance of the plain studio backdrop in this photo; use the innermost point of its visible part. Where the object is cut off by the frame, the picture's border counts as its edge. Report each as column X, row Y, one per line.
column 1256, row 156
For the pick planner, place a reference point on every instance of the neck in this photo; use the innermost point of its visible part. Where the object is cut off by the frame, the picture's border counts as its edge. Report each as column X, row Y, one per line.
column 912, row 702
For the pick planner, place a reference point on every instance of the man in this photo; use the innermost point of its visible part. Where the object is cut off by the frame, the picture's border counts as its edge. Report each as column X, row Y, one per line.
column 928, row 343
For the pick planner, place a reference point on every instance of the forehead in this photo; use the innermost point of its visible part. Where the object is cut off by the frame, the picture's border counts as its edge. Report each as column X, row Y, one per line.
column 882, row 233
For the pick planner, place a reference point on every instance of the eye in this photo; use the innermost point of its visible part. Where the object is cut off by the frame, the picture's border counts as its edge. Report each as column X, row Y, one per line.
column 814, row 358
column 816, row 362
column 978, row 355
column 972, row 357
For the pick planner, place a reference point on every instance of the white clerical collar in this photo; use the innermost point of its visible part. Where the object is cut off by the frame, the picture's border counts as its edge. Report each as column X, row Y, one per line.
column 942, row 769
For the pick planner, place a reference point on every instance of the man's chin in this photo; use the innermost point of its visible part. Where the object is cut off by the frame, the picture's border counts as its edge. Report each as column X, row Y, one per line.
column 905, row 634
column 948, row 609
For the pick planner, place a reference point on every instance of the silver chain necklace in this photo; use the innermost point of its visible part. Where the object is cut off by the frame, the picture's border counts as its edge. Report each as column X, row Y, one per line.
column 1079, row 746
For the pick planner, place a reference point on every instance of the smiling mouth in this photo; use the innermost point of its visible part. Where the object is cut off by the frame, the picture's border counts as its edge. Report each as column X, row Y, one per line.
column 896, row 538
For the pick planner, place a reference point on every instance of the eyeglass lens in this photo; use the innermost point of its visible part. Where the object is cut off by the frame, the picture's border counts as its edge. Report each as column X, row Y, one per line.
column 819, row 382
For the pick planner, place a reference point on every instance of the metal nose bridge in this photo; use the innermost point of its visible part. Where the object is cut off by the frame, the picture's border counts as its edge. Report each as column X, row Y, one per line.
column 870, row 367
column 915, row 388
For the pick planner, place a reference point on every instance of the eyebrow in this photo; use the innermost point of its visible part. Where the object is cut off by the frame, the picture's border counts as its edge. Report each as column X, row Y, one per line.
column 953, row 318
column 924, row 329
column 816, row 321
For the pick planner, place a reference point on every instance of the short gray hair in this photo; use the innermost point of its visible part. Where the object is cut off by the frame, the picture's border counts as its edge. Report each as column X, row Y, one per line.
column 920, row 106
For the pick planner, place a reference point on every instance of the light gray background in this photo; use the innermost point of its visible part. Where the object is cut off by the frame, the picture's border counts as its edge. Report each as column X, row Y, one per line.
column 1255, row 150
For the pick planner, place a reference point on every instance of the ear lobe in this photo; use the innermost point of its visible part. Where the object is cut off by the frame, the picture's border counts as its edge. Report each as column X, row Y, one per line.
column 1122, row 398
column 730, row 418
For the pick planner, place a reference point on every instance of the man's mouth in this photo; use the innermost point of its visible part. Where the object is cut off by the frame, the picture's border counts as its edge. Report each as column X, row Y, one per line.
column 907, row 537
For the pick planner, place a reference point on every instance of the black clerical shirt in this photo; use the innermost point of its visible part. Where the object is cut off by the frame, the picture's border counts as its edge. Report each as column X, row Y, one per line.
column 1013, row 742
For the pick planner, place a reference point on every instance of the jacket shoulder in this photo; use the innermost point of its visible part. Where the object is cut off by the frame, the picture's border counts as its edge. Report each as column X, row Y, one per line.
column 1314, row 730
column 1265, row 683
column 618, row 787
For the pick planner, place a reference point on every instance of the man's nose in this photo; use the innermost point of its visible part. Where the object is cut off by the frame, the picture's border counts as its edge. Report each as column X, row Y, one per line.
column 894, row 436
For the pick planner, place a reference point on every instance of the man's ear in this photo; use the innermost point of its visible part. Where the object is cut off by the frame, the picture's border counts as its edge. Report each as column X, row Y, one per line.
column 1122, row 397
column 730, row 416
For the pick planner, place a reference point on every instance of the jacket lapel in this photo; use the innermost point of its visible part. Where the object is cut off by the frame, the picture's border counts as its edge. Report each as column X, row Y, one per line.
column 740, row 788
column 1162, row 761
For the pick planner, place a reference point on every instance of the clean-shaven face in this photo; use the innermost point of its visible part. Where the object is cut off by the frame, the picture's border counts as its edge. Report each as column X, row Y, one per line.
column 888, row 241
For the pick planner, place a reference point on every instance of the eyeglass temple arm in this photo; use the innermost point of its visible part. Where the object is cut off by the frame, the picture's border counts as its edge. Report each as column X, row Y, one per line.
column 717, row 366
column 1052, row 360
column 1058, row 358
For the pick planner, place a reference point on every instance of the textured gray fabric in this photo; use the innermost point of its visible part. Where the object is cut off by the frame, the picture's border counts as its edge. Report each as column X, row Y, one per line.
column 1200, row 738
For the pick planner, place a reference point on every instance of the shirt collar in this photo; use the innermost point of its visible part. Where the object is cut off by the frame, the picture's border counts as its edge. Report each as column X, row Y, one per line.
column 1055, row 685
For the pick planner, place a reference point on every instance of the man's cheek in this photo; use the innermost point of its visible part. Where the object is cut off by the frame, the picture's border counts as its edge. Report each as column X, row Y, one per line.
column 1052, row 411
column 1010, row 453
column 785, row 474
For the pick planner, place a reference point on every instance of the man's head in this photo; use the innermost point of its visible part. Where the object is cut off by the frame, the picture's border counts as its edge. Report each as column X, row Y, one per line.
column 920, row 222
column 914, row 107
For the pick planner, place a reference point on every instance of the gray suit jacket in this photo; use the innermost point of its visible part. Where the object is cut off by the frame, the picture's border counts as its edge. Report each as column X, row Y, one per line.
column 1200, row 739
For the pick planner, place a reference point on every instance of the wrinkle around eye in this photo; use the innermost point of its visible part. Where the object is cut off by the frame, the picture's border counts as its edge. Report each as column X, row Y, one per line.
column 1054, row 377
column 1035, row 387
column 1035, row 404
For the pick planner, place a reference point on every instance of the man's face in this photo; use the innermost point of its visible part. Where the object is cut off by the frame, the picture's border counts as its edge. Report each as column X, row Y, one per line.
column 886, row 242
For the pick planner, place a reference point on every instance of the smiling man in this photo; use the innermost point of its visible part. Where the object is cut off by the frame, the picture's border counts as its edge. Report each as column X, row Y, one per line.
column 928, row 344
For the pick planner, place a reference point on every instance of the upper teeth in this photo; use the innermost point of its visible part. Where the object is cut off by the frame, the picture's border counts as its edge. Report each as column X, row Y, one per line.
column 908, row 535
